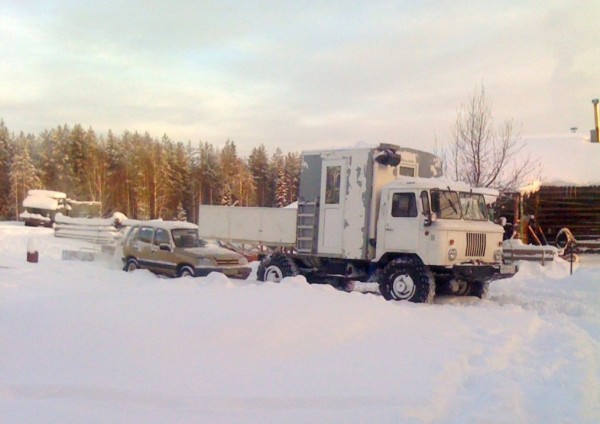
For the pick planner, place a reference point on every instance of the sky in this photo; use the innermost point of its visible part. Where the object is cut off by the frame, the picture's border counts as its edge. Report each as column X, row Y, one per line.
column 297, row 75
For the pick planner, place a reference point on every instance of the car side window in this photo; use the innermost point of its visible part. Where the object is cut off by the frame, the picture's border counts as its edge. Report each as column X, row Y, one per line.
column 131, row 234
column 145, row 234
column 161, row 237
column 404, row 205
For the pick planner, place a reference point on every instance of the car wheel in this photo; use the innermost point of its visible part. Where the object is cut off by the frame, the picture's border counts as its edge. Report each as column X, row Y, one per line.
column 131, row 265
column 186, row 271
column 407, row 279
column 276, row 267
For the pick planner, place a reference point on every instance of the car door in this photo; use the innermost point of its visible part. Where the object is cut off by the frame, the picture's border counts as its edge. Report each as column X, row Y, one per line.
column 142, row 246
column 163, row 260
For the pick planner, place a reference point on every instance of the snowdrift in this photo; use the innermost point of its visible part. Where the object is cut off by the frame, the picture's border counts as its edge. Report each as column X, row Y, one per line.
column 87, row 342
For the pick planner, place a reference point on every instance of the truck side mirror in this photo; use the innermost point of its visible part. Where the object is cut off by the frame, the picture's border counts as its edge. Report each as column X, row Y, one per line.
column 430, row 218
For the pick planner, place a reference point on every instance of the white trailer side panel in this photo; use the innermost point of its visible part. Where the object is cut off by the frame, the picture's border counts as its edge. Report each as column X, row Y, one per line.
column 270, row 226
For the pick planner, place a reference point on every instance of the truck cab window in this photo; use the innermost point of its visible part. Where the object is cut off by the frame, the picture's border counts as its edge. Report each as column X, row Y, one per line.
column 404, row 205
column 332, row 188
column 446, row 204
column 425, row 203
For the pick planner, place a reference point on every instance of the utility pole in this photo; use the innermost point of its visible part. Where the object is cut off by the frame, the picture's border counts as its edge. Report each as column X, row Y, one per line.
column 595, row 136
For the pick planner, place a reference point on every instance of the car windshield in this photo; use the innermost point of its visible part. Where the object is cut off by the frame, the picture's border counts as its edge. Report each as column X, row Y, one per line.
column 187, row 237
column 445, row 204
column 473, row 207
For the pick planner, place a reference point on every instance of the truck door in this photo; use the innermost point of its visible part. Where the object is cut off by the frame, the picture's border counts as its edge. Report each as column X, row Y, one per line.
column 331, row 213
column 403, row 222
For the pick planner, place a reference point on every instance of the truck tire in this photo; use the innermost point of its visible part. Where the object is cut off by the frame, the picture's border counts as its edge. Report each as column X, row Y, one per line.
column 479, row 289
column 276, row 267
column 407, row 279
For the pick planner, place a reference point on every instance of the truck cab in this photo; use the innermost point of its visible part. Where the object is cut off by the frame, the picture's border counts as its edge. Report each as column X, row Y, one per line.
column 444, row 226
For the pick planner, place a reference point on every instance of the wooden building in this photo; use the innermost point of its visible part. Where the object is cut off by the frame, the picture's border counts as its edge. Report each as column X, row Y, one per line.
column 567, row 194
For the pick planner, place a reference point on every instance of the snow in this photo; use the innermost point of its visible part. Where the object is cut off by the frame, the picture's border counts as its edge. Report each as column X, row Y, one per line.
column 87, row 342
column 566, row 159
column 47, row 193
column 40, row 202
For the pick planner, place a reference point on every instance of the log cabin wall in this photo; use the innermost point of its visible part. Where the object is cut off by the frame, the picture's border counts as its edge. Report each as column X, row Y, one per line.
column 577, row 208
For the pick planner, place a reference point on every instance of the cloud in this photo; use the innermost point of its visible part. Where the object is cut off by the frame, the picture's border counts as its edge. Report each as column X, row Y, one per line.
column 296, row 74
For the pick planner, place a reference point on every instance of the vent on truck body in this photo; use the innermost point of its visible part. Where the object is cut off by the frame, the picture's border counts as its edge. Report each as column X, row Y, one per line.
column 475, row 244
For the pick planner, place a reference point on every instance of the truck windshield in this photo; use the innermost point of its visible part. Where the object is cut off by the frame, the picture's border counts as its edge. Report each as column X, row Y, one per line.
column 445, row 204
column 473, row 207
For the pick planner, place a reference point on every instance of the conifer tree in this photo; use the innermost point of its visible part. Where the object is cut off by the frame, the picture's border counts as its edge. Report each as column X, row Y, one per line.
column 5, row 161
column 279, row 183
column 258, row 162
column 209, row 171
column 292, row 176
column 23, row 175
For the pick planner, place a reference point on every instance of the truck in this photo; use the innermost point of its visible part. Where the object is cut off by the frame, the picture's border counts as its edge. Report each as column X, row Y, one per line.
column 382, row 215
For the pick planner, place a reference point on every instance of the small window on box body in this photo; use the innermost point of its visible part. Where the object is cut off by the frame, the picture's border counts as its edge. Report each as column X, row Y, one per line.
column 407, row 171
column 333, row 183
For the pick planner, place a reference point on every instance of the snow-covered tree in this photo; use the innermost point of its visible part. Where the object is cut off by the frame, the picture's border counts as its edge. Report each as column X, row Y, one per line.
column 481, row 154
column 292, row 175
column 5, row 162
column 23, row 175
column 258, row 163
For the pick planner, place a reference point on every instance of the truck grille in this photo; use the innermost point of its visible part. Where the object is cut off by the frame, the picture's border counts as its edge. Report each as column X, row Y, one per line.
column 475, row 244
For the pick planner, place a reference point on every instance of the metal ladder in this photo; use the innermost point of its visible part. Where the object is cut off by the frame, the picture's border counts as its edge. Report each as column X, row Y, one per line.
column 306, row 225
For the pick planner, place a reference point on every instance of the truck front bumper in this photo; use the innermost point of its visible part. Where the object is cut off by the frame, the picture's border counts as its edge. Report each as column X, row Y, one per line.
column 484, row 272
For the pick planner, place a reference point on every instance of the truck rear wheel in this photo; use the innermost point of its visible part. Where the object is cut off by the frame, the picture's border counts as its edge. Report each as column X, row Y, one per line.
column 276, row 267
column 407, row 279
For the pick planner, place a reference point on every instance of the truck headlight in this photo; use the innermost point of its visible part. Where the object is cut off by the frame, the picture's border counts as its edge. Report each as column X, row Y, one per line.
column 498, row 255
column 243, row 260
column 452, row 253
column 206, row 262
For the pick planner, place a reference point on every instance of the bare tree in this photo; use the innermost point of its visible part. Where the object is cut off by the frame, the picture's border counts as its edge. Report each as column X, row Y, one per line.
column 482, row 155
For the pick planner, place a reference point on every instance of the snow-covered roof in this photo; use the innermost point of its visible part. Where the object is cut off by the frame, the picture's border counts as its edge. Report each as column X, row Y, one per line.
column 566, row 160
column 40, row 202
column 441, row 183
column 47, row 193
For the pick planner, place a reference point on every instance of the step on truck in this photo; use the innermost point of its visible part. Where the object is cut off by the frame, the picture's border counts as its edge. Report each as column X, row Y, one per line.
column 381, row 215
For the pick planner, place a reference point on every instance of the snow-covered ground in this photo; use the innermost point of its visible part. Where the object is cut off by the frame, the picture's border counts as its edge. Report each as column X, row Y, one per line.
column 87, row 342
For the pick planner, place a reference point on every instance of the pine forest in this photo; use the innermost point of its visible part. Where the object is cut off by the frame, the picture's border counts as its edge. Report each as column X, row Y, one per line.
column 141, row 176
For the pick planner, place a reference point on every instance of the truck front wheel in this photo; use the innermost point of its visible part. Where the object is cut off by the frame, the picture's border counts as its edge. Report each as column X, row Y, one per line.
column 406, row 279
column 479, row 288
column 276, row 267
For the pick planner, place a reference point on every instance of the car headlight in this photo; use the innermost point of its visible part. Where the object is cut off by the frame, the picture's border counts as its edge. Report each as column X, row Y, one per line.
column 452, row 253
column 498, row 255
column 206, row 262
column 243, row 260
